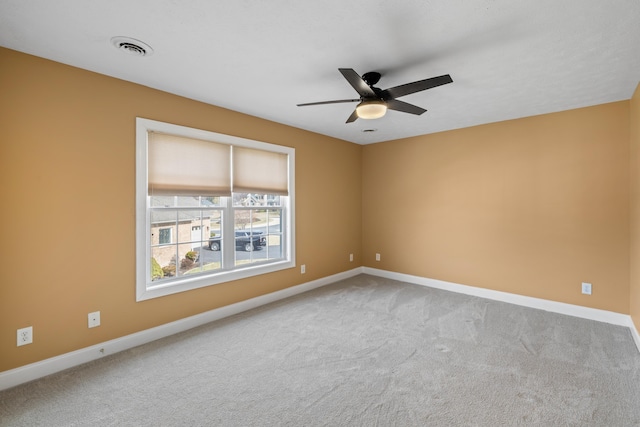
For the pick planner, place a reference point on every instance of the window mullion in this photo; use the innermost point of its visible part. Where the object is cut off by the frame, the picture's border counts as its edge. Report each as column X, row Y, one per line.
column 228, row 235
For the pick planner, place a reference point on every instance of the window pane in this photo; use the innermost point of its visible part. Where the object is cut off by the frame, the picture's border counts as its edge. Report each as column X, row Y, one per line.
column 188, row 201
column 189, row 259
column 214, row 230
column 274, row 219
column 211, row 201
column 162, row 201
column 274, row 239
column 190, row 228
column 243, row 219
column 163, row 264
column 274, row 200
column 250, row 244
column 251, row 199
column 241, row 199
column 208, row 261
column 163, row 225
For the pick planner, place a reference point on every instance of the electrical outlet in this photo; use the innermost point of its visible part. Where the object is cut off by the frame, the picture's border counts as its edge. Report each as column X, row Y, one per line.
column 25, row 336
column 94, row 319
column 303, row 269
column 377, row 257
column 586, row 288
column 350, row 257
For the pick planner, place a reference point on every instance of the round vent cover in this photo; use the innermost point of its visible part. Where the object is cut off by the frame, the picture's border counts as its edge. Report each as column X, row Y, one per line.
column 132, row 46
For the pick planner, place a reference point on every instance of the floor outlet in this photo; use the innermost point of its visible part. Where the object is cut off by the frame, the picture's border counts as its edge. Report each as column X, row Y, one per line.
column 377, row 257
column 94, row 319
column 586, row 288
column 25, row 336
column 303, row 269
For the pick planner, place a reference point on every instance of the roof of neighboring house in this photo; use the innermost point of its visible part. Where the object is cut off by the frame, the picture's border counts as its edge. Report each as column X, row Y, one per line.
column 167, row 216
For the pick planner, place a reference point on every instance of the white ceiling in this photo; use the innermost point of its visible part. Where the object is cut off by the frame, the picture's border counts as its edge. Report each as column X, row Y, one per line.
column 508, row 59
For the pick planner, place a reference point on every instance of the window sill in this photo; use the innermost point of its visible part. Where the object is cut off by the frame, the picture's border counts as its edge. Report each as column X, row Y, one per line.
column 146, row 291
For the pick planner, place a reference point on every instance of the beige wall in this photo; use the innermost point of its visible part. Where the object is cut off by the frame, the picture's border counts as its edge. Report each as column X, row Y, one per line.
column 533, row 206
column 68, row 219
column 634, row 297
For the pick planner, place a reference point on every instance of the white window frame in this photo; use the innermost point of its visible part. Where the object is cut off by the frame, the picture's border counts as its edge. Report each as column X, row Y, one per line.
column 145, row 288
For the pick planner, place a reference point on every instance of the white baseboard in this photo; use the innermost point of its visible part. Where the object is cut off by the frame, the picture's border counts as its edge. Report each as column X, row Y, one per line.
column 635, row 334
column 23, row 374
column 541, row 304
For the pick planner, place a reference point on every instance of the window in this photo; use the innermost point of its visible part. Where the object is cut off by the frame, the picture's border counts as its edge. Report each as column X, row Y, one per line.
column 164, row 235
column 210, row 208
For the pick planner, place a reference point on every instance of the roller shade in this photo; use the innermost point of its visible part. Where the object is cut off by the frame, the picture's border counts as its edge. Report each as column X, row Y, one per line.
column 258, row 171
column 187, row 166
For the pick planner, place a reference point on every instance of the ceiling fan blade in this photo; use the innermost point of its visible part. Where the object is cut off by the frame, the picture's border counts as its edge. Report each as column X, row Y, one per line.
column 338, row 101
column 353, row 117
column 356, row 81
column 405, row 107
column 409, row 88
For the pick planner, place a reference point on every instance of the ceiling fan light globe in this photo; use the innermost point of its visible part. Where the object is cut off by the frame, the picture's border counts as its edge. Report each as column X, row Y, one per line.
column 371, row 109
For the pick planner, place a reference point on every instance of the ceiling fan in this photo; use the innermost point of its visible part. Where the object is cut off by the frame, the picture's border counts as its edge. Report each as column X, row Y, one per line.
column 374, row 102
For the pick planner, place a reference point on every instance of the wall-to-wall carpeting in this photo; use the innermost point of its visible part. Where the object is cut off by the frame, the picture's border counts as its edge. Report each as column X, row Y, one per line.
column 365, row 351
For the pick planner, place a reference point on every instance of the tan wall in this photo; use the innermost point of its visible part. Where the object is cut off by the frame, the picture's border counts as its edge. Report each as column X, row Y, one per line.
column 68, row 218
column 533, row 206
column 634, row 297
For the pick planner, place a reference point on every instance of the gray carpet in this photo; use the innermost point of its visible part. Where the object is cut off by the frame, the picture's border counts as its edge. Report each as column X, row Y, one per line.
column 363, row 352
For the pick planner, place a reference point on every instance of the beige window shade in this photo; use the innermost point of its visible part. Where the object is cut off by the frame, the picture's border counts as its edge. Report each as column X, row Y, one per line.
column 258, row 171
column 187, row 166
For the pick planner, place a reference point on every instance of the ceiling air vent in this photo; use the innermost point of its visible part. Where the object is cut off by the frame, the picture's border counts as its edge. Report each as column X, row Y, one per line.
column 132, row 46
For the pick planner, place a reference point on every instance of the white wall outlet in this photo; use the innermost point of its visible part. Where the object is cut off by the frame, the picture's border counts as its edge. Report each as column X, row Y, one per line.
column 94, row 319
column 350, row 257
column 303, row 269
column 25, row 336
column 377, row 257
column 586, row 288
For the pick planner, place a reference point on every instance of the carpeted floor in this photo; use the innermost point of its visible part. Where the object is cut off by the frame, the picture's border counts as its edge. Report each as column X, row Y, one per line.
column 366, row 351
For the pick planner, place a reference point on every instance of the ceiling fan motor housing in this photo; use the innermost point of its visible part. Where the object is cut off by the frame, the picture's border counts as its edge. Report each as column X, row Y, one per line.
column 371, row 77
